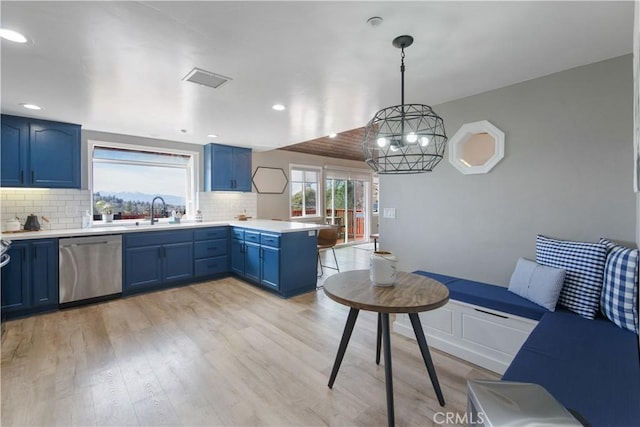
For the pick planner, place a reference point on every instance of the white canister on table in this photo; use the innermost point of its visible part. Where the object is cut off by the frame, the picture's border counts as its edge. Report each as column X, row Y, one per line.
column 382, row 268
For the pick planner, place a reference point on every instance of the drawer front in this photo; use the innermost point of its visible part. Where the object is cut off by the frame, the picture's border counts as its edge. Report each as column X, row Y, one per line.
column 210, row 266
column 149, row 238
column 270, row 240
column 210, row 248
column 210, row 233
column 251, row 236
column 237, row 233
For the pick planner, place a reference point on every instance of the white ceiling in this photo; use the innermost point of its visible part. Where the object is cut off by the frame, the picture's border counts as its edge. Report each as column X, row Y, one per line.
column 117, row 66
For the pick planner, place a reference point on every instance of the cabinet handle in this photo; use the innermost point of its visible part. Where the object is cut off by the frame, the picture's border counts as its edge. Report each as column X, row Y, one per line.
column 24, row 254
column 33, row 177
column 22, row 177
column 35, row 254
column 261, row 252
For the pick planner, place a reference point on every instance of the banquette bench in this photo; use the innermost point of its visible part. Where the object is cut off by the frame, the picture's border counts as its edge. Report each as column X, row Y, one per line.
column 592, row 367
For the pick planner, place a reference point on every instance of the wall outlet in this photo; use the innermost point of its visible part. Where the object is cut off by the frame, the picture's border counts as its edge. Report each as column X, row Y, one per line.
column 389, row 213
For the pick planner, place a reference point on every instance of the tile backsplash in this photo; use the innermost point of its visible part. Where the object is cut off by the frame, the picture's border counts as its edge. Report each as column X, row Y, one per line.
column 224, row 205
column 62, row 207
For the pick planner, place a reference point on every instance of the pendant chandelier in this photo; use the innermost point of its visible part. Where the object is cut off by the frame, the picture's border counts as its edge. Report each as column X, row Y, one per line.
column 405, row 138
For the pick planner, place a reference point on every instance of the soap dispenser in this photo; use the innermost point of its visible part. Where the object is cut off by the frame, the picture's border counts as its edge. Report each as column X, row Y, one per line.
column 87, row 219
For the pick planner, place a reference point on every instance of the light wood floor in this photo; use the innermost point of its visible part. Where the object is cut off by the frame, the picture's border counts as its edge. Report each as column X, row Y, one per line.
column 216, row 353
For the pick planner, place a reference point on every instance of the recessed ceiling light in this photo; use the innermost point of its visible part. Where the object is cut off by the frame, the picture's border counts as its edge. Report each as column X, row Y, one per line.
column 278, row 107
column 374, row 21
column 31, row 106
column 13, row 36
column 212, row 135
column 333, row 135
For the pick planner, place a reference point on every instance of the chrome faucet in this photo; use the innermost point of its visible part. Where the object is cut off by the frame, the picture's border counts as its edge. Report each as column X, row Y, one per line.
column 164, row 208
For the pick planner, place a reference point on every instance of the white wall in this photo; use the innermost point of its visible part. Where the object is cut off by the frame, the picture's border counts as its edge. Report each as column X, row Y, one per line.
column 567, row 173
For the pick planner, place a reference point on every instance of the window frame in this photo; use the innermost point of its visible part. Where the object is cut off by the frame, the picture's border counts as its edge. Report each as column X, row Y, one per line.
column 193, row 182
column 319, row 196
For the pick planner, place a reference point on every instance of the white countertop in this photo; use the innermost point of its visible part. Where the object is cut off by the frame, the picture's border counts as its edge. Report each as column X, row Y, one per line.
column 254, row 224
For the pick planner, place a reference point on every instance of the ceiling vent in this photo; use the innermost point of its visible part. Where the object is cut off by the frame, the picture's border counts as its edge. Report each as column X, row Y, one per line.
column 205, row 78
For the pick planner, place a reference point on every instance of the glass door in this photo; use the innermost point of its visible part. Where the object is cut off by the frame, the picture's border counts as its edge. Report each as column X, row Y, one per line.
column 347, row 196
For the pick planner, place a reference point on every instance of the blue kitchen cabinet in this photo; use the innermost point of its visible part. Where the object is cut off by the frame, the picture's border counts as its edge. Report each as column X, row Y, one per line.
column 252, row 261
column 178, row 261
column 143, row 267
column 15, row 279
column 54, row 153
column 210, row 248
column 15, row 138
column 45, row 273
column 39, row 153
column 30, row 280
column 156, row 259
column 237, row 256
column 282, row 262
column 227, row 168
column 270, row 274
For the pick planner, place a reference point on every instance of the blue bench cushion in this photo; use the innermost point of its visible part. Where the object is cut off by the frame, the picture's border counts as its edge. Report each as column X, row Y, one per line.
column 489, row 296
column 591, row 366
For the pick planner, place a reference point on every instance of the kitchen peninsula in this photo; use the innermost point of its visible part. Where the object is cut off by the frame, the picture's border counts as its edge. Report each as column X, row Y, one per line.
column 277, row 256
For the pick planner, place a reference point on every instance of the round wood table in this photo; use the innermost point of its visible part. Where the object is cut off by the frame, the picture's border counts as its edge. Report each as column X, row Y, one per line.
column 410, row 294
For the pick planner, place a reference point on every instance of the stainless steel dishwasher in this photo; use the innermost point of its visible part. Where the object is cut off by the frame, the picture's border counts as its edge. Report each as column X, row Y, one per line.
column 90, row 268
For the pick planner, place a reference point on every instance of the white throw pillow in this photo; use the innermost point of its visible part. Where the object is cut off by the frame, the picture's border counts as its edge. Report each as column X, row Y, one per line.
column 537, row 283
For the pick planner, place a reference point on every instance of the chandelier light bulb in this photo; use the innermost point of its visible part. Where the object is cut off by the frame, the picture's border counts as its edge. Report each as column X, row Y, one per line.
column 393, row 147
column 381, row 142
column 424, row 141
column 412, row 138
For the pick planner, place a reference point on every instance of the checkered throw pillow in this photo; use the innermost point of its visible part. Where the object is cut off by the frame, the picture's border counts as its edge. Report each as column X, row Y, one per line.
column 584, row 266
column 619, row 301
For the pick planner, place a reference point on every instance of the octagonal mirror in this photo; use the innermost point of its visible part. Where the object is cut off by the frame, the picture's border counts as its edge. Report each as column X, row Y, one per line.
column 476, row 147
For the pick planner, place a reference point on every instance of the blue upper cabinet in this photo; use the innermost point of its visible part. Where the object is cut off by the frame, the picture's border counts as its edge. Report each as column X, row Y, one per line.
column 55, row 155
column 39, row 153
column 15, row 139
column 227, row 168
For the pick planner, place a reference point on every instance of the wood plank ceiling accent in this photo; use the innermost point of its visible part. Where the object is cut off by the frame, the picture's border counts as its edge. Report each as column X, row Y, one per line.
column 345, row 145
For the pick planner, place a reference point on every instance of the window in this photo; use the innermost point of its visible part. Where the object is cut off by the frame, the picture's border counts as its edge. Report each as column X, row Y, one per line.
column 125, row 179
column 304, row 198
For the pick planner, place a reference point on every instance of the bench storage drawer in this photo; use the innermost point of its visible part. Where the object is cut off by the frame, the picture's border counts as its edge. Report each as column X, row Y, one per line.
column 486, row 337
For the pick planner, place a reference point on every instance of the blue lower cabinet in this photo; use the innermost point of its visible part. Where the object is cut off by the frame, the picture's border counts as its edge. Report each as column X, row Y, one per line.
column 252, row 261
column 157, row 259
column 45, row 273
column 30, row 280
column 270, row 273
column 143, row 267
column 237, row 256
column 283, row 262
column 15, row 279
column 178, row 261
column 210, row 252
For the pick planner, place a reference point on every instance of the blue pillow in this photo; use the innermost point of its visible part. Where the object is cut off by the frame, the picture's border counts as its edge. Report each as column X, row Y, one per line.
column 619, row 301
column 537, row 283
column 584, row 265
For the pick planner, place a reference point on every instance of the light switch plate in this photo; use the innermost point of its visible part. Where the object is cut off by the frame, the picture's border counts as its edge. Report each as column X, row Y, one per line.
column 312, row 233
column 389, row 213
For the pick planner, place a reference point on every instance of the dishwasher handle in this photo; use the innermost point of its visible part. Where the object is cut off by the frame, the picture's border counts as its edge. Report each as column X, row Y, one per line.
column 104, row 242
